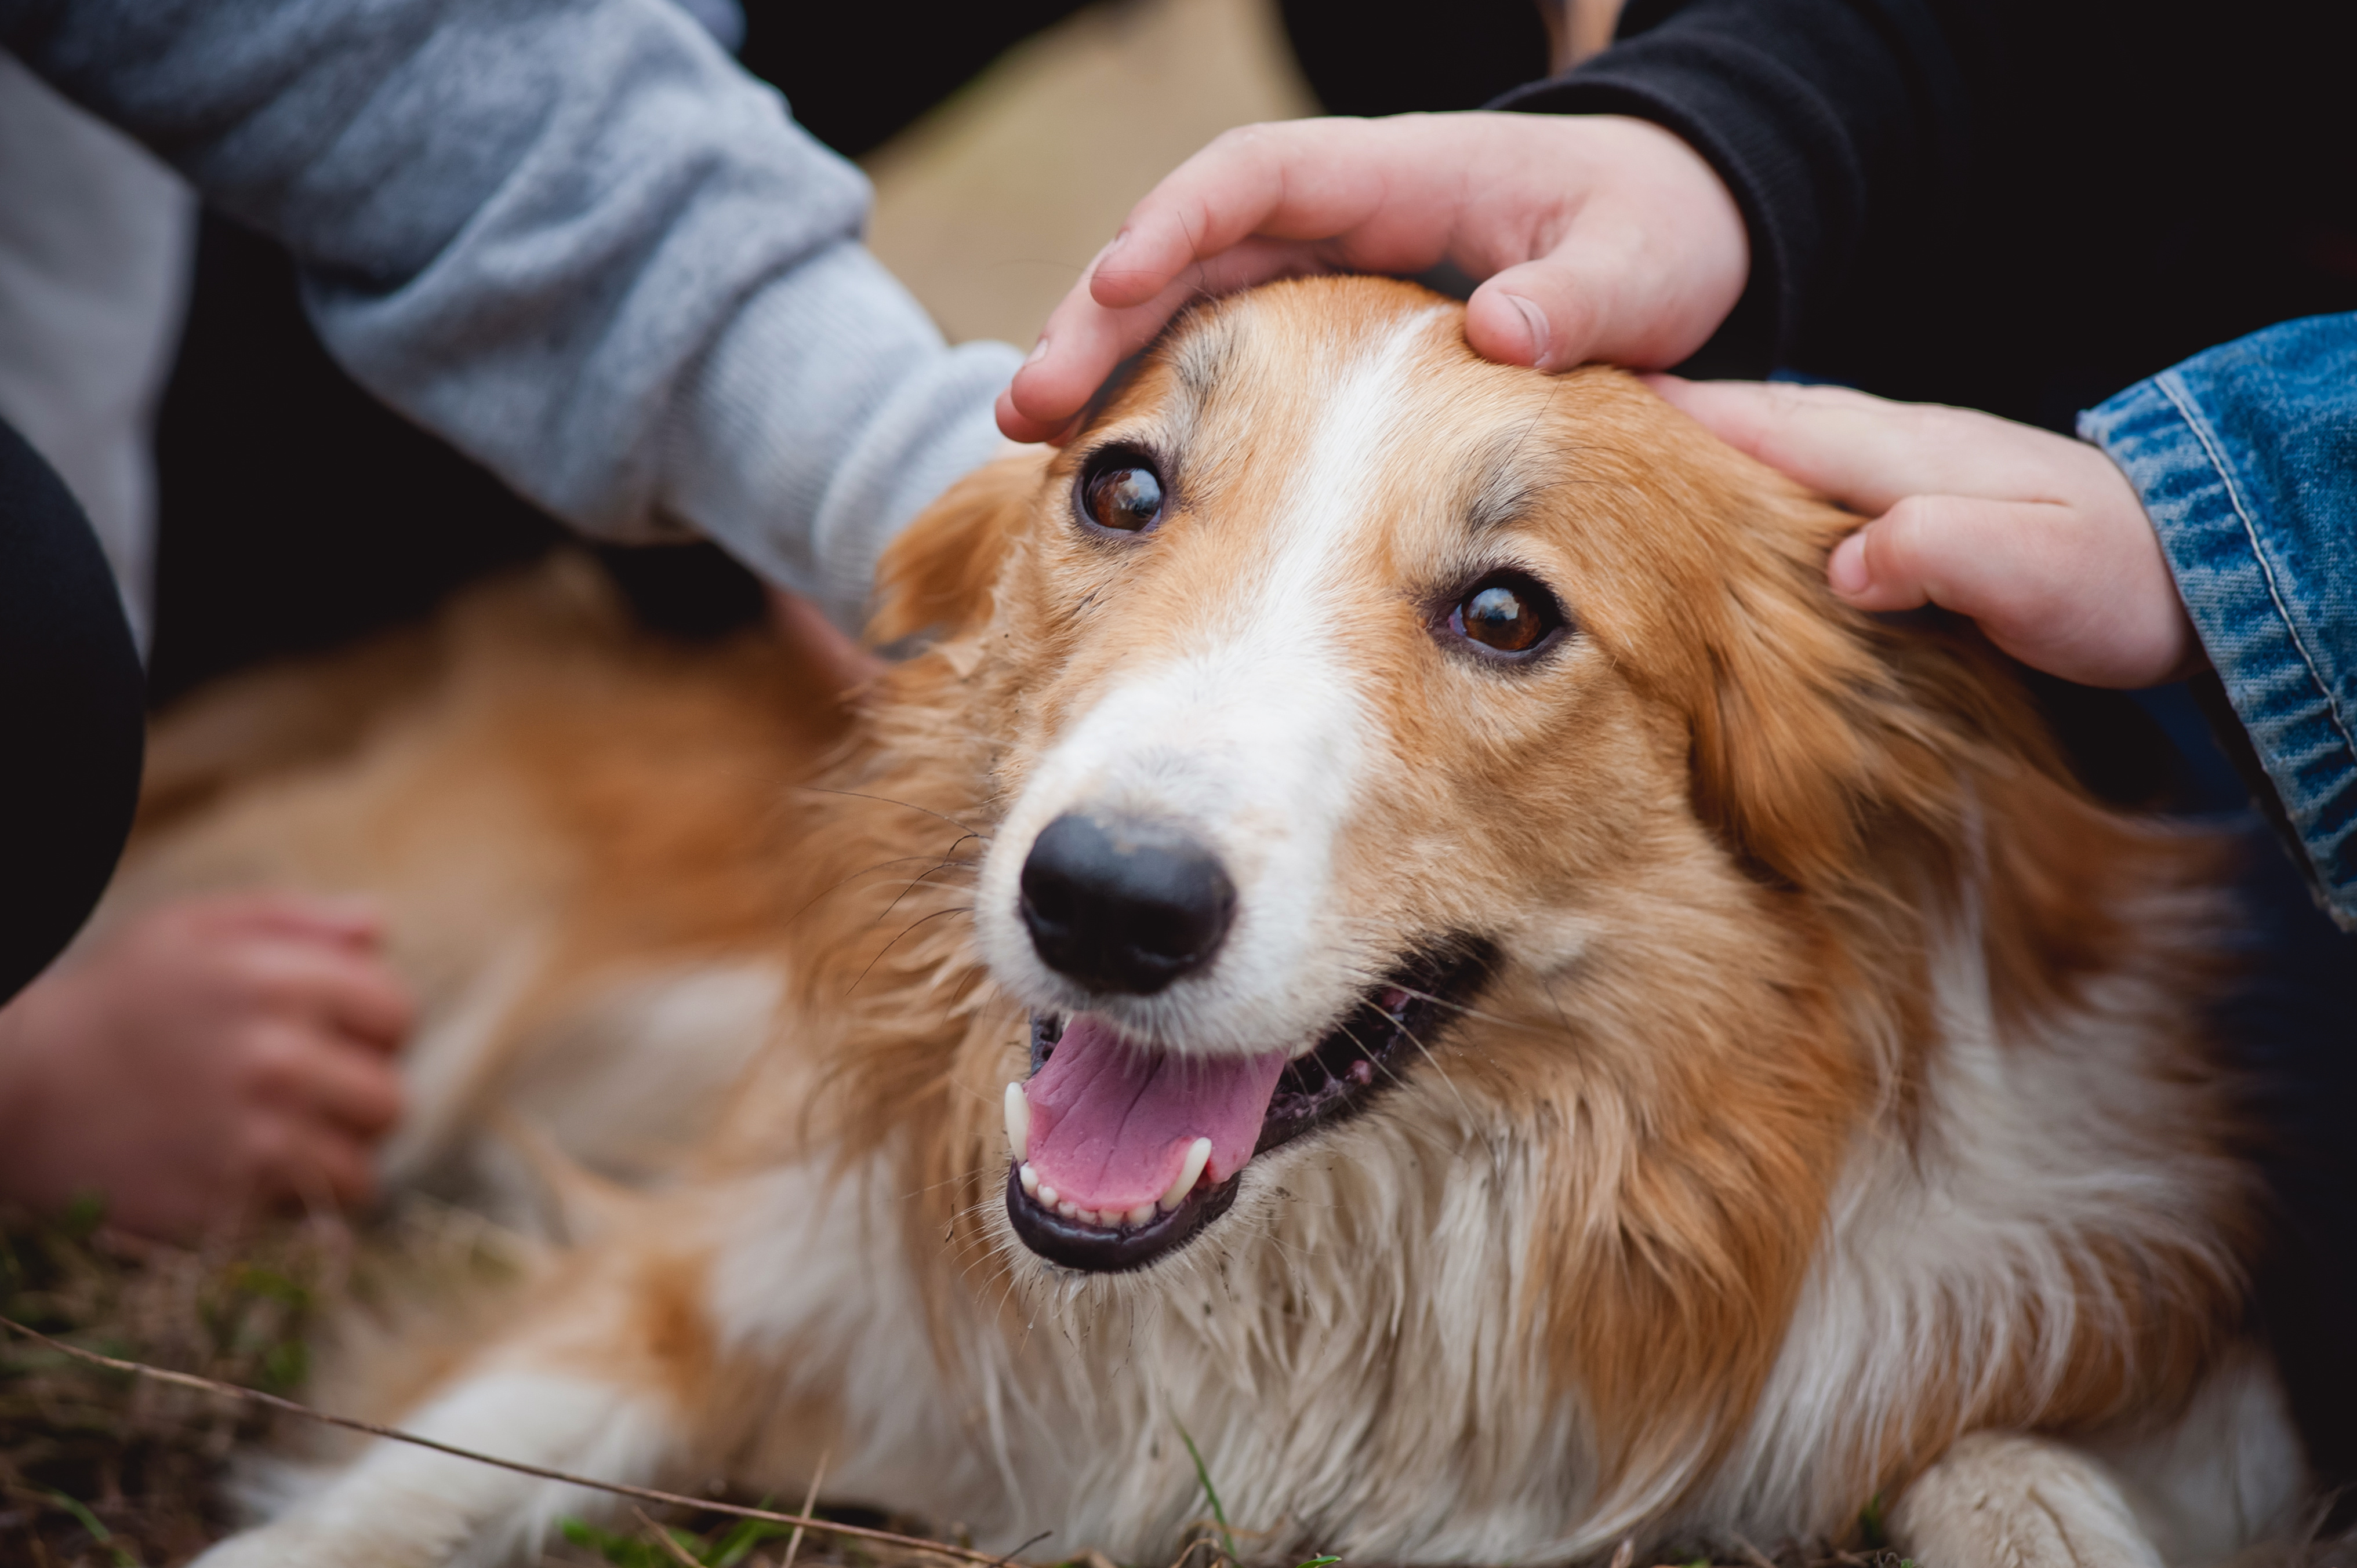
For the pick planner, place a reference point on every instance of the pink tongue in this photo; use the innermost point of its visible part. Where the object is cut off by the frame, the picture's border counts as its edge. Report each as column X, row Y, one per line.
column 1111, row 1124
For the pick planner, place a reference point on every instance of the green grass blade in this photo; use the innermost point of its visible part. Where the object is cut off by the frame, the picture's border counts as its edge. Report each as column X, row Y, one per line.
column 622, row 1551
column 98, row 1531
column 1204, row 1474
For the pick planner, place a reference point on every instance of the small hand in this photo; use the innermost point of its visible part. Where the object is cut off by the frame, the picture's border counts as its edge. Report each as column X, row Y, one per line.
column 2039, row 538
column 803, row 630
column 1599, row 237
column 205, row 1056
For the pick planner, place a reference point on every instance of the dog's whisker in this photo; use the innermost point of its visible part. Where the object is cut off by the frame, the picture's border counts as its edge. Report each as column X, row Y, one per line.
column 833, row 888
column 913, row 883
column 888, row 947
column 971, row 832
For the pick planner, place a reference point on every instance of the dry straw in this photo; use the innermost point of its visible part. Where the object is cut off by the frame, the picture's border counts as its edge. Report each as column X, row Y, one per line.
column 801, row 1522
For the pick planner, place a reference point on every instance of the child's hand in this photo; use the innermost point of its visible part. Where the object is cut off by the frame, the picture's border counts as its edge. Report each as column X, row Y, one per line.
column 205, row 1057
column 2039, row 538
column 1600, row 237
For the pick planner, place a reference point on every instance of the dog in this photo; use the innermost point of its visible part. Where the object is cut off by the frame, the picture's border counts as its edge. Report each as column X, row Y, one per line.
column 1394, row 931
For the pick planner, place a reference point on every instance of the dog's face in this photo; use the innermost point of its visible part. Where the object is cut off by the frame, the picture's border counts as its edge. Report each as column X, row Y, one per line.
column 1355, row 679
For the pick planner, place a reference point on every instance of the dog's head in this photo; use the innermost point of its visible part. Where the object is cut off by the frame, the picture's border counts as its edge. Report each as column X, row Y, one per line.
column 1356, row 703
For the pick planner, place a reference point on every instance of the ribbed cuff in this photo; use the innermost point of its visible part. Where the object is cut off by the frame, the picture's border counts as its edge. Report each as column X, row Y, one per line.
column 826, row 418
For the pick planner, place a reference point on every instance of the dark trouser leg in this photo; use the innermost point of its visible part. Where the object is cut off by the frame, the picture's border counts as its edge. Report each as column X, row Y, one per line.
column 71, row 698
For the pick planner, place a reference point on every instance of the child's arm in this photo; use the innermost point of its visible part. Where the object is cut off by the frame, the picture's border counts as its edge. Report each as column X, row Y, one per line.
column 574, row 239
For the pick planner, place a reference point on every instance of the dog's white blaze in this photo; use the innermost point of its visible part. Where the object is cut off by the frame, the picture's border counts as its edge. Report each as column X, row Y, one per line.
column 1254, row 735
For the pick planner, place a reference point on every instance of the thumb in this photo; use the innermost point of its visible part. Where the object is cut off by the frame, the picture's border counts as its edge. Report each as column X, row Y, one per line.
column 1547, row 314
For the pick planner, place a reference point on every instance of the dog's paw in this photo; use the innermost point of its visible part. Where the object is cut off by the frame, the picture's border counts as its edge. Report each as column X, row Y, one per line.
column 264, row 1547
column 293, row 1543
column 2002, row 1500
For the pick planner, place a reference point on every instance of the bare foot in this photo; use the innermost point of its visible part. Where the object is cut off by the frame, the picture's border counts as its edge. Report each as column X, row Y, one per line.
column 206, row 1057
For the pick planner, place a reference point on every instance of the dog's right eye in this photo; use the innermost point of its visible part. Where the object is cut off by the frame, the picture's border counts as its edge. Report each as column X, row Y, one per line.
column 1121, row 492
column 1506, row 615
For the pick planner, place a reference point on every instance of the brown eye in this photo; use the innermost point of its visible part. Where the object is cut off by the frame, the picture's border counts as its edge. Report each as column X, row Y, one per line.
column 1121, row 492
column 1507, row 614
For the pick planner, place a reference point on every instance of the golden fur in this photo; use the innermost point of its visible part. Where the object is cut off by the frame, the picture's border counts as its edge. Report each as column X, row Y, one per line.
column 1836, row 1093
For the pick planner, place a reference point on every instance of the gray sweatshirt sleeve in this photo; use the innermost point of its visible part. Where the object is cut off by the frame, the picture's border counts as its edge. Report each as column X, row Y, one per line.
column 575, row 239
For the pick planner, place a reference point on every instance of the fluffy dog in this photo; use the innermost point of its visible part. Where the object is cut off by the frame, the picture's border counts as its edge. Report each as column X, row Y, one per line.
column 1396, row 926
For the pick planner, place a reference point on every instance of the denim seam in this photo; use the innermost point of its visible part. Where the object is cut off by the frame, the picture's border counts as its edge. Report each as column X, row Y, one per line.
column 2170, row 388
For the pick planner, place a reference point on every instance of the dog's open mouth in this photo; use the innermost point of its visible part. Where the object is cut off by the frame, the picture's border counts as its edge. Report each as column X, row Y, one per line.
column 1122, row 1154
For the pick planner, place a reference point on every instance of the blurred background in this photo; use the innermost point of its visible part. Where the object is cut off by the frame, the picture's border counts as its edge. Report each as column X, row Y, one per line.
column 1007, row 142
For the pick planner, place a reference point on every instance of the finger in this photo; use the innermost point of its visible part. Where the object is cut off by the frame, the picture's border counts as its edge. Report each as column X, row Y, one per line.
column 1302, row 179
column 2005, row 563
column 1606, row 291
column 285, row 1158
column 1869, row 452
column 321, row 1078
column 802, row 629
column 2069, row 590
column 1551, row 313
column 353, row 919
column 353, row 992
column 321, row 1164
column 1083, row 341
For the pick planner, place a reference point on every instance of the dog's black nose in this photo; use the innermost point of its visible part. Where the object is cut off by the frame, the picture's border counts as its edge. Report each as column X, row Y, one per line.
column 1124, row 906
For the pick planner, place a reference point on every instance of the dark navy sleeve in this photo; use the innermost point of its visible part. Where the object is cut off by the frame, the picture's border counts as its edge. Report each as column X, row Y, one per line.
column 1826, row 119
column 2246, row 459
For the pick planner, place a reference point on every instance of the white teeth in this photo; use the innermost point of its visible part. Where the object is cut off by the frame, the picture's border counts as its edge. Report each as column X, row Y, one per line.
column 1046, row 1195
column 1143, row 1214
column 1018, row 1122
column 1198, row 1154
column 1068, row 1209
column 1030, row 1180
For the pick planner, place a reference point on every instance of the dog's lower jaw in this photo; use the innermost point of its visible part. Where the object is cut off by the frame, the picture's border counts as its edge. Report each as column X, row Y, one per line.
column 1113, row 1249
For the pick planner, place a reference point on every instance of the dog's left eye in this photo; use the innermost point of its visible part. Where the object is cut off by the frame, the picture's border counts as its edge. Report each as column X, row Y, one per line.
column 1121, row 492
column 1506, row 613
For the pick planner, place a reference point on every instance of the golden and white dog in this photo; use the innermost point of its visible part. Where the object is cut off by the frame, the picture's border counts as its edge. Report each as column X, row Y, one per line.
column 1522, row 1022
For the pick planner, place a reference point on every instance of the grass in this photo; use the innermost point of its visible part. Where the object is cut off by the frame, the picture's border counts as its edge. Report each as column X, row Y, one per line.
column 102, row 1470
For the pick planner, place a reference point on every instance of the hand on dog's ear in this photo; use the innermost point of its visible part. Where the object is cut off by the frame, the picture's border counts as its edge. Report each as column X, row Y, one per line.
column 1809, row 722
column 937, row 576
column 2038, row 539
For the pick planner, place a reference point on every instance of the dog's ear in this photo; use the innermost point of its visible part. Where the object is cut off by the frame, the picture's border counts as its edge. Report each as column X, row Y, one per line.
column 1799, row 728
column 937, row 576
